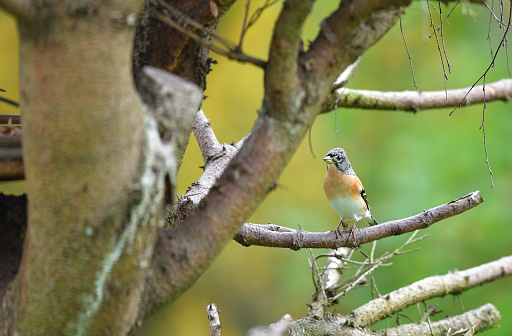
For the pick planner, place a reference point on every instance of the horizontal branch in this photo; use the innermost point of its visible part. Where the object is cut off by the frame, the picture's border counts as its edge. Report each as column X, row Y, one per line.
column 277, row 236
column 415, row 101
column 452, row 283
column 476, row 320
column 11, row 157
column 13, row 119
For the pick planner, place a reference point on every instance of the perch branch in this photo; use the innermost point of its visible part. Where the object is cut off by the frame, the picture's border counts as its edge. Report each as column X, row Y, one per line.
column 452, row 283
column 271, row 235
column 415, row 101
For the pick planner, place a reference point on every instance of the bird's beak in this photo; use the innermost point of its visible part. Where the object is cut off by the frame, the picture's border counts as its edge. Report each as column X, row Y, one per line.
column 328, row 159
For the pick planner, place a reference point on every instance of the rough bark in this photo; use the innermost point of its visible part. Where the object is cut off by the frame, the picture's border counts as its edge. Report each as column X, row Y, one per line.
column 161, row 46
column 83, row 265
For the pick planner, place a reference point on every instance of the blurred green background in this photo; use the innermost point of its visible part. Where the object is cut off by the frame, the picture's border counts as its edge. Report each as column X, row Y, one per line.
column 407, row 162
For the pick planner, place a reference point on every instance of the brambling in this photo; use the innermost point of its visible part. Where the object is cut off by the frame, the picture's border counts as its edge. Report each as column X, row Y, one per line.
column 345, row 191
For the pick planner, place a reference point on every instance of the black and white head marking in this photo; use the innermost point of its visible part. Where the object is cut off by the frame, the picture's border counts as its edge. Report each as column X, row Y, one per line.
column 341, row 161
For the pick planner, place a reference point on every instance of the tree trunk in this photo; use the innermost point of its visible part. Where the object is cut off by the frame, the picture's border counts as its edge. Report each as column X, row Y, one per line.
column 82, row 264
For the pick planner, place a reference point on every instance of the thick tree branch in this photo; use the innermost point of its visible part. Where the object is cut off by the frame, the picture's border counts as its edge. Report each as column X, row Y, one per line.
column 276, row 236
column 183, row 253
column 283, row 90
column 93, row 182
column 345, row 35
column 452, row 283
column 416, row 101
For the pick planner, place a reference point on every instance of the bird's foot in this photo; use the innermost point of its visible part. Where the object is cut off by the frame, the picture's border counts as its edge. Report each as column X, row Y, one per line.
column 337, row 230
column 351, row 238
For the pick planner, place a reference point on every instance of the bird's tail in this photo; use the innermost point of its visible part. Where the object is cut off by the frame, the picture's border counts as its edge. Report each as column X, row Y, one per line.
column 372, row 221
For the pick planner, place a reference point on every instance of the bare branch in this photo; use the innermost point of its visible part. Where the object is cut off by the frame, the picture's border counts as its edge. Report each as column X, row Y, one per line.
column 205, row 136
column 502, row 42
column 476, row 320
column 9, row 101
column 216, row 158
column 276, row 236
column 414, row 101
column 452, row 283
column 177, row 20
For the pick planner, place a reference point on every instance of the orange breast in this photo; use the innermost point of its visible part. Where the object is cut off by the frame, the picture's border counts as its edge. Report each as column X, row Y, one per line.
column 337, row 184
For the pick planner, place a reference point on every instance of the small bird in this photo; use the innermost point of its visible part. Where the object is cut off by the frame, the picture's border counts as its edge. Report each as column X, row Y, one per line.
column 345, row 191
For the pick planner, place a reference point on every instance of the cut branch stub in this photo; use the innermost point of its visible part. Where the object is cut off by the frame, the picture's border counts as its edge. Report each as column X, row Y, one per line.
column 174, row 103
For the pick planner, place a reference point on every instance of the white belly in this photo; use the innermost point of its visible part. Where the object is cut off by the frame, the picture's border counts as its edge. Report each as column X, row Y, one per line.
column 352, row 210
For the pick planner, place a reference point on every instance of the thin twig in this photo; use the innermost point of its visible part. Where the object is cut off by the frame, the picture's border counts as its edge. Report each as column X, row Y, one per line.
column 482, row 127
column 445, row 77
column 257, row 13
column 244, row 22
column 356, row 279
column 442, row 35
column 490, row 65
column 489, row 28
column 228, row 48
column 408, row 53
column 348, row 74
column 8, row 101
column 491, row 10
column 317, row 280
